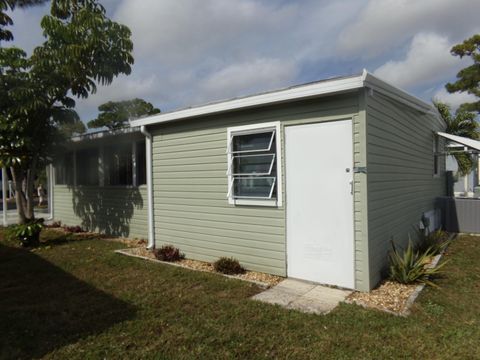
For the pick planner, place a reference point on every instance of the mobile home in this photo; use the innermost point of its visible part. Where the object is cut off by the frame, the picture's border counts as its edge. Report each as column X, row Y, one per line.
column 310, row 182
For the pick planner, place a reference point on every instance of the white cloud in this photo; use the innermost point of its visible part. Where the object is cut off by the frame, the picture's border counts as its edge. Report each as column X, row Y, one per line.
column 191, row 51
column 427, row 61
column 179, row 32
column 455, row 99
column 384, row 25
column 222, row 49
column 246, row 78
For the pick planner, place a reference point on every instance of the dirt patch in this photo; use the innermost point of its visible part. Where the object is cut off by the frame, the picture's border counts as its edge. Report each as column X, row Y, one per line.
column 269, row 280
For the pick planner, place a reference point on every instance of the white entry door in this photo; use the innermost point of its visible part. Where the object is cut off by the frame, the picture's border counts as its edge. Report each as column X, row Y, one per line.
column 319, row 172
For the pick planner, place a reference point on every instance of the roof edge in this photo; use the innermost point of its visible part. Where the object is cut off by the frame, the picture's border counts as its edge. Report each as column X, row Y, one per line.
column 105, row 133
column 470, row 143
column 301, row 92
column 276, row 97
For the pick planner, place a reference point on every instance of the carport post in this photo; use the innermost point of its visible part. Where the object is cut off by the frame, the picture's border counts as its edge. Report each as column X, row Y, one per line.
column 4, row 195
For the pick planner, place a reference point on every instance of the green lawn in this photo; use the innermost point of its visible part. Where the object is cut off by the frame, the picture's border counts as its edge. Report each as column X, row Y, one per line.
column 79, row 300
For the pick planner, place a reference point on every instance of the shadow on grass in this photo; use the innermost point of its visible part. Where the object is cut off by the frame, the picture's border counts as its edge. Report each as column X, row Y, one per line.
column 43, row 308
column 50, row 237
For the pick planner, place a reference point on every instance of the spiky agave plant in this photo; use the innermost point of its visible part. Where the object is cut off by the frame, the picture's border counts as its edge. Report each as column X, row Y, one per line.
column 410, row 266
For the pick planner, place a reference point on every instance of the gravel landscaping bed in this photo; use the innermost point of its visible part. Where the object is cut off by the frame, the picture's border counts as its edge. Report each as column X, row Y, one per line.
column 390, row 296
column 262, row 279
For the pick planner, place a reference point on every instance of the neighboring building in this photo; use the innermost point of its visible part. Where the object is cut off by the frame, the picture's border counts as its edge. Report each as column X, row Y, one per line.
column 468, row 185
column 311, row 182
column 100, row 184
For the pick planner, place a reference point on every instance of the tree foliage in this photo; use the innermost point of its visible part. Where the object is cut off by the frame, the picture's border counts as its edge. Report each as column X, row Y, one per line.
column 462, row 123
column 83, row 47
column 468, row 79
column 115, row 114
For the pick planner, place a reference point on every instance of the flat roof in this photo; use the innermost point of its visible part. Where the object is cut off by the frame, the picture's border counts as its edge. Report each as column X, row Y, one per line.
column 294, row 93
column 105, row 133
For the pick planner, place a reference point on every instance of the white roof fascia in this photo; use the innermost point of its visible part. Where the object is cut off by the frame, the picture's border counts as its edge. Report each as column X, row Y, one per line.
column 394, row 92
column 105, row 133
column 325, row 87
column 470, row 143
column 295, row 93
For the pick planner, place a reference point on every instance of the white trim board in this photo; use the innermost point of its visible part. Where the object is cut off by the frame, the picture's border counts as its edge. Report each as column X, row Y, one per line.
column 301, row 92
column 105, row 133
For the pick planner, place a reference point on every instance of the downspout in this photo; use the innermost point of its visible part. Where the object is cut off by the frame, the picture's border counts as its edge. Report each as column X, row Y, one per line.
column 148, row 153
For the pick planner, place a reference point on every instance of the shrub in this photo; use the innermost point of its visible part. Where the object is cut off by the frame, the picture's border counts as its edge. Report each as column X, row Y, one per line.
column 55, row 224
column 229, row 266
column 436, row 242
column 168, row 253
column 412, row 266
column 73, row 229
column 28, row 234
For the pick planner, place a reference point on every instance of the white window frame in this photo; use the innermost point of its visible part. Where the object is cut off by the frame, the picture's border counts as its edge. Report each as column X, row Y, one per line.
column 253, row 129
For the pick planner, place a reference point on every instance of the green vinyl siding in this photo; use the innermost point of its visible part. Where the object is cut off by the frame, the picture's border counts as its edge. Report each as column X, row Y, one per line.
column 191, row 208
column 401, row 185
column 114, row 210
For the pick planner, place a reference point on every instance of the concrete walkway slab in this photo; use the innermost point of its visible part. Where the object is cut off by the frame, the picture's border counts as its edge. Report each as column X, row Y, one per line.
column 303, row 296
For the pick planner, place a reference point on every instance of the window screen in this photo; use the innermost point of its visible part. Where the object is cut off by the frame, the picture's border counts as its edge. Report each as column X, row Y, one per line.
column 252, row 172
column 87, row 167
column 256, row 142
column 118, row 164
column 141, row 163
column 64, row 170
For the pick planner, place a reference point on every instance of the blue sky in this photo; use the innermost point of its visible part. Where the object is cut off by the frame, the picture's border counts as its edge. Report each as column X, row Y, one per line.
column 189, row 52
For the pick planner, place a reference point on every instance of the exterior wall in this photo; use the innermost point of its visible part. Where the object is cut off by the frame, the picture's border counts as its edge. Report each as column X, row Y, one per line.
column 113, row 210
column 191, row 209
column 401, row 184
column 461, row 215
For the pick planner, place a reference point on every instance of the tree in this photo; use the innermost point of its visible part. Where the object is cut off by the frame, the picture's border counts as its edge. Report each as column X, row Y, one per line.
column 468, row 79
column 115, row 114
column 463, row 123
column 69, row 129
column 82, row 48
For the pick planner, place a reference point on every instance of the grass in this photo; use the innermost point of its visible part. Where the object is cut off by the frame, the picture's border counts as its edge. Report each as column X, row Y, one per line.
column 76, row 299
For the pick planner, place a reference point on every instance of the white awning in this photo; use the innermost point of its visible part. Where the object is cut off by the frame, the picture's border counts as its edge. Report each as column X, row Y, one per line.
column 470, row 143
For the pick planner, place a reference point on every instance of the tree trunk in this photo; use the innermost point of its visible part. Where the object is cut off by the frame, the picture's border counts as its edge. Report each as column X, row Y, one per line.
column 29, row 188
column 18, row 177
column 22, row 182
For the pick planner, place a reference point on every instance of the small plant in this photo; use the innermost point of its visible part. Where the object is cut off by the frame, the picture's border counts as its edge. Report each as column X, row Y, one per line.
column 28, row 234
column 412, row 266
column 168, row 253
column 73, row 229
column 229, row 266
column 55, row 224
column 436, row 242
